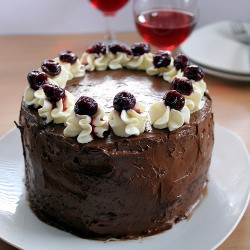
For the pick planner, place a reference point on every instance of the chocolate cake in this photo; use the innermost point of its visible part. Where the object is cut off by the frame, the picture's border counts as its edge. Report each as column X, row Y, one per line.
column 116, row 183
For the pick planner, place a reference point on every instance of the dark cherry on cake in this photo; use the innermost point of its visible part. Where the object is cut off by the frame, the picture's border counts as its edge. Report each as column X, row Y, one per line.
column 139, row 49
column 124, row 101
column 174, row 100
column 53, row 92
column 98, row 48
column 86, row 106
column 181, row 62
column 51, row 67
column 183, row 86
column 194, row 73
column 68, row 56
column 114, row 48
column 37, row 79
column 161, row 58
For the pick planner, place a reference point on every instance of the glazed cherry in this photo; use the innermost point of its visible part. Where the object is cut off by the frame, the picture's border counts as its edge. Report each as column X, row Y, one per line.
column 107, row 132
column 51, row 67
column 124, row 101
column 98, row 48
column 114, row 48
column 53, row 92
column 174, row 100
column 193, row 73
column 85, row 106
column 183, row 86
column 139, row 49
column 181, row 62
column 161, row 58
column 37, row 79
column 67, row 56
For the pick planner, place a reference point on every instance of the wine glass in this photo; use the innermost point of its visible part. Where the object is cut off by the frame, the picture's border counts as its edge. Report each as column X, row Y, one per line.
column 165, row 24
column 109, row 9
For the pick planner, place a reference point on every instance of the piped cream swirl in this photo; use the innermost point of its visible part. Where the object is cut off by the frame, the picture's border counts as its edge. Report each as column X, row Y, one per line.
column 95, row 61
column 62, row 78
column 129, row 122
column 161, row 116
column 33, row 97
column 194, row 101
column 120, row 59
column 84, row 126
column 170, row 74
column 60, row 112
column 75, row 69
column 142, row 62
column 167, row 72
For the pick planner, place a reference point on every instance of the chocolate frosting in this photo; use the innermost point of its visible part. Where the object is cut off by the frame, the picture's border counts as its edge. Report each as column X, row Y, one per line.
column 116, row 187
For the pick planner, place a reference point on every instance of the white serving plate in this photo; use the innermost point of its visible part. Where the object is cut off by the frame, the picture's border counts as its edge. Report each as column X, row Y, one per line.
column 213, row 46
column 211, row 223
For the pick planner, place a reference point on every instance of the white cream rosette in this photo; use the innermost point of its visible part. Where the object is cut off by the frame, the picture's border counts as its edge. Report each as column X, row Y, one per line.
column 84, row 126
column 33, row 97
column 60, row 79
column 167, row 72
column 60, row 112
column 129, row 122
column 195, row 101
column 152, row 71
column 142, row 62
column 119, row 60
column 201, row 85
column 161, row 116
column 170, row 74
column 75, row 69
column 95, row 61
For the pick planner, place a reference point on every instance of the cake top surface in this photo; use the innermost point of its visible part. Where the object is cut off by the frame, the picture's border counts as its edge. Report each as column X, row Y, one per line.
column 115, row 88
column 104, row 85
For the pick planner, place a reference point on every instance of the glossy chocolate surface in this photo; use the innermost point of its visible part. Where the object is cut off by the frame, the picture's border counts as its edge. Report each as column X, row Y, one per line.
column 104, row 85
column 116, row 187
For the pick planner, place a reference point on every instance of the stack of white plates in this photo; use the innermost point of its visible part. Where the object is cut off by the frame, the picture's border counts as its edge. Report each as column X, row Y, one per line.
column 215, row 49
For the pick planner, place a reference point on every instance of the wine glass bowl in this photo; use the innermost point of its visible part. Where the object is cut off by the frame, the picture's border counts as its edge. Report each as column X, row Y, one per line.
column 165, row 24
column 108, row 7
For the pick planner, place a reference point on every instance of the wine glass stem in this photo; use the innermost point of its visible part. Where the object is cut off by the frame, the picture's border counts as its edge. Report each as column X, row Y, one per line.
column 110, row 36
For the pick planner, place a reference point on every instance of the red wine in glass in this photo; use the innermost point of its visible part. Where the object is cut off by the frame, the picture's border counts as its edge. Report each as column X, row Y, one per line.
column 165, row 28
column 108, row 7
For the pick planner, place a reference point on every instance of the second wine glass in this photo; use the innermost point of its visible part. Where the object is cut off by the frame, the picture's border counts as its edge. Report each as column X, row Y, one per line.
column 165, row 24
column 109, row 9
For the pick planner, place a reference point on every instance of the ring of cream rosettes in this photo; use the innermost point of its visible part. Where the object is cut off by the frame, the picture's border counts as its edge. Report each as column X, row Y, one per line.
column 125, row 123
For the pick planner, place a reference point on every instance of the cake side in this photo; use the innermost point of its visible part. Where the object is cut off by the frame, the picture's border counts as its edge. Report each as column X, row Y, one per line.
column 117, row 187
